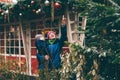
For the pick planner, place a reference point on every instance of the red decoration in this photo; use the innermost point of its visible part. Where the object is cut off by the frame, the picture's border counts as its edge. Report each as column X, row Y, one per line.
column 32, row 2
column 57, row 5
column 1, row 10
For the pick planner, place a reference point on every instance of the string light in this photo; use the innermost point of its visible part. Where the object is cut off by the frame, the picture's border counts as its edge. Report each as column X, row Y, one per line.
column 1, row 10
column 38, row 11
column 2, row 13
column 20, row 14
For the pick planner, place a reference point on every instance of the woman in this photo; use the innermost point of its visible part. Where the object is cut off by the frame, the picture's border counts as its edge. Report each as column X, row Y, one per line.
column 49, row 50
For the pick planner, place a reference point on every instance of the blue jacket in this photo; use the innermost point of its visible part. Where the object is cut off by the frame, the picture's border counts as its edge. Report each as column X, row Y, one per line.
column 53, row 50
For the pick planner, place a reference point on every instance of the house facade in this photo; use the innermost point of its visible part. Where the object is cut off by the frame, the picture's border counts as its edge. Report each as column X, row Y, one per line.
column 17, row 38
column 17, row 42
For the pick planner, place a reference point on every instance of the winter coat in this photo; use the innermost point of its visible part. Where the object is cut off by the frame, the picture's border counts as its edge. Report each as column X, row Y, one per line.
column 53, row 50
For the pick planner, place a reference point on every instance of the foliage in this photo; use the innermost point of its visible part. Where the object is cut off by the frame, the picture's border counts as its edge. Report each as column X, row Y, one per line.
column 72, row 63
column 103, row 30
column 28, row 9
column 10, row 70
column 102, row 36
column 102, row 40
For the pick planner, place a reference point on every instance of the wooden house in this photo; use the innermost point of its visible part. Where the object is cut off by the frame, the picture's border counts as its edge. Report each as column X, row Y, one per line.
column 17, row 37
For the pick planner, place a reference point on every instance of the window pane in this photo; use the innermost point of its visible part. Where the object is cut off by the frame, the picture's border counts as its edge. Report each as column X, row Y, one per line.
column 33, row 51
column 22, row 51
column 10, row 50
column 7, row 35
column 38, row 31
column 33, row 33
column 1, row 35
column 1, row 29
column 1, row 42
column 33, row 42
column 16, row 43
column 16, row 50
column 21, row 43
column 8, row 43
column 12, row 35
column 12, row 43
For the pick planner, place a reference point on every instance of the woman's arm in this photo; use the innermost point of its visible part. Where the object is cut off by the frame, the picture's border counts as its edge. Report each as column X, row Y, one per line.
column 63, row 31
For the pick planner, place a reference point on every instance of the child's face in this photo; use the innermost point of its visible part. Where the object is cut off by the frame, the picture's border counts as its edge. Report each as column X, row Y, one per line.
column 51, row 36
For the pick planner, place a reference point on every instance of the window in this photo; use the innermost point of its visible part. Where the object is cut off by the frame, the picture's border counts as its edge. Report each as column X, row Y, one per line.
column 13, row 40
column 2, row 47
column 38, row 27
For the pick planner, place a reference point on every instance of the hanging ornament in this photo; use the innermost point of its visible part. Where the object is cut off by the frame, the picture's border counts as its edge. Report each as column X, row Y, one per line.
column 2, row 13
column 57, row 5
column 20, row 14
column 28, row 6
column 12, row 29
column 1, row 10
column 38, row 11
column 47, row 3
column 32, row 2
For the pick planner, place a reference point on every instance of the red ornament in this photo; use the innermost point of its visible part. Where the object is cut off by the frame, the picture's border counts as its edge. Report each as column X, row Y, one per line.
column 57, row 5
column 1, row 10
column 32, row 2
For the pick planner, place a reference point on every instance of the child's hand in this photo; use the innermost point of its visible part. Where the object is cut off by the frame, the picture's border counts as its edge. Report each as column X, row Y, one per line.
column 64, row 20
column 47, row 57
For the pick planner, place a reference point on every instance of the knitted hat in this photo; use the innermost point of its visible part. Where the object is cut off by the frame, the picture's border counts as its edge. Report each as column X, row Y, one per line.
column 51, row 35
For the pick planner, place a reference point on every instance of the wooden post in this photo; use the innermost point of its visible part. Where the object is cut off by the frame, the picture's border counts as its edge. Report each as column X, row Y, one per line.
column 25, row 49
column 68, row 26
column 82, row 35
